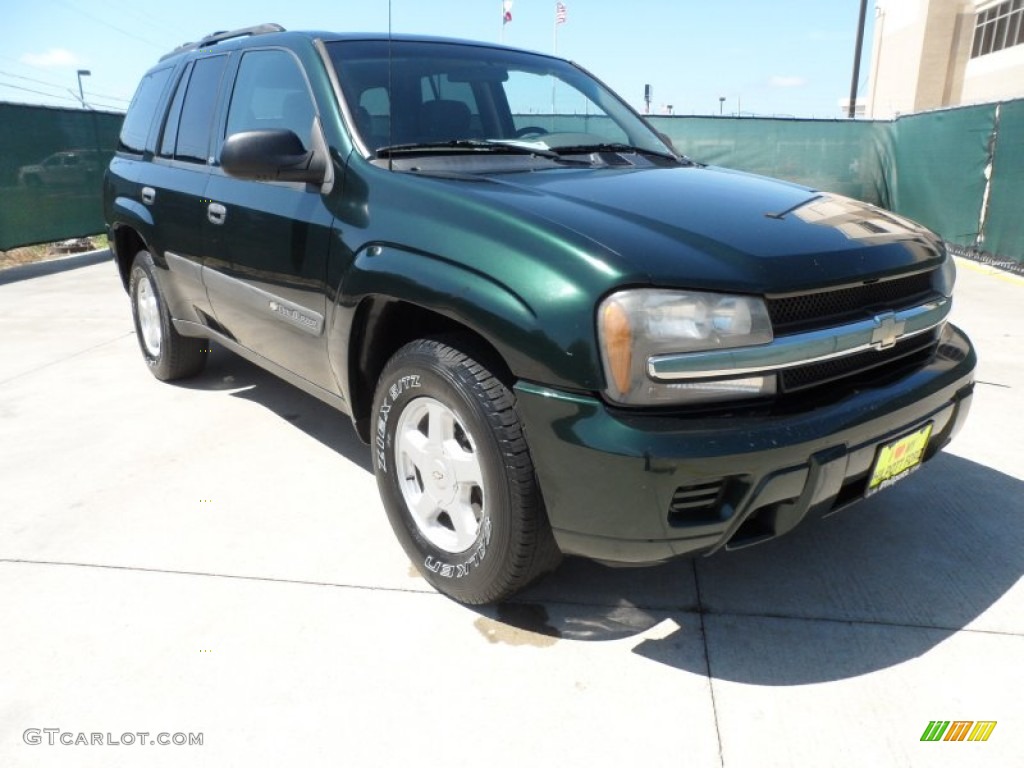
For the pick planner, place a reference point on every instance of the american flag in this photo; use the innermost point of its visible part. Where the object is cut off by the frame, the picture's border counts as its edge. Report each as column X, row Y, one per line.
column 561, row 13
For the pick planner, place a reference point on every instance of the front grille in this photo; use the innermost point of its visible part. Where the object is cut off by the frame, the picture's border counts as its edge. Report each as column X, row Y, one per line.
column 876, row 363
column 822, row 309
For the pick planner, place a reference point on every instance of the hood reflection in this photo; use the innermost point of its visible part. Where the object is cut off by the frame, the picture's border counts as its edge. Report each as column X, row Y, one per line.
column 857, row 221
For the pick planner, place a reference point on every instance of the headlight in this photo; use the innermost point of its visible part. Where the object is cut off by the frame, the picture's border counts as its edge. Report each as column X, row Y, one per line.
column 635, row 325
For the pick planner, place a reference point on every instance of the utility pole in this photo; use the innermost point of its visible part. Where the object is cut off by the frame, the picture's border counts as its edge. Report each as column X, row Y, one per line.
column 856, row 59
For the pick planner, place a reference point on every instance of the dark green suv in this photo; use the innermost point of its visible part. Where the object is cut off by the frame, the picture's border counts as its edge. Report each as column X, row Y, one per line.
column 556, row 334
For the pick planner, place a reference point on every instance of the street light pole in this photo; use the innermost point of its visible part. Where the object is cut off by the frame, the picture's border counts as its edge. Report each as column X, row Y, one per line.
column 852, row 111
column 721, row 105
column 81, row 93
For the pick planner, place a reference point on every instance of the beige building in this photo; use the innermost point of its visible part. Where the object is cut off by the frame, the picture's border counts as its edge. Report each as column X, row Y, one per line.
column 929, row 54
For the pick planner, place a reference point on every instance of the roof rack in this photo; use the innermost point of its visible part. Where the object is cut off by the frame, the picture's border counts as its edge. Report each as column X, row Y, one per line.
column 219, row 37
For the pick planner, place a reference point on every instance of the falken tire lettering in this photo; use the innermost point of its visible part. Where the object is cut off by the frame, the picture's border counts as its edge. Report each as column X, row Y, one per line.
column 463, row 569
column 394, row 392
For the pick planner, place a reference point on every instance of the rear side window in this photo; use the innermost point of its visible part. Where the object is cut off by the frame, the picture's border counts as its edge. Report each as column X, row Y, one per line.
column 139, row 119
column 197, row 110
column 170, row 135
column 271, row 93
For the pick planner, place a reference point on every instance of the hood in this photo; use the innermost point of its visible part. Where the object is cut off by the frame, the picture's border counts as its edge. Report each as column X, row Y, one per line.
column 707, row 227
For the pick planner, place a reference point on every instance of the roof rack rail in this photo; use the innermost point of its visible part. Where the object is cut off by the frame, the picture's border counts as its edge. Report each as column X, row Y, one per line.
column 219, row 37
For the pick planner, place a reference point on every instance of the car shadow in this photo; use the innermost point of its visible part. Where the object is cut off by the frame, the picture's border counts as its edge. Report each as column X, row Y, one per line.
column 864, row 589
column 227, row 371
column 917, row 563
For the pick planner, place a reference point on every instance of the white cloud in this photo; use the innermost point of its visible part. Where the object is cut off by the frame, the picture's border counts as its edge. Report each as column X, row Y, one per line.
column 52, row 59
column 786, row 81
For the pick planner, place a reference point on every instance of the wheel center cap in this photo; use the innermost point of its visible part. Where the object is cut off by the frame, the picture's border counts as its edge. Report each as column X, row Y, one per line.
column 440, row 481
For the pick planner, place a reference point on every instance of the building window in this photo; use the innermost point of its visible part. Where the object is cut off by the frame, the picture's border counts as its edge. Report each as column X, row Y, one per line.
column 998, row 27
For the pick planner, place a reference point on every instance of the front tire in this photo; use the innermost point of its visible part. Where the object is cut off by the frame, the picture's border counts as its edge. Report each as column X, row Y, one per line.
column 167, row 353
column 456, row 477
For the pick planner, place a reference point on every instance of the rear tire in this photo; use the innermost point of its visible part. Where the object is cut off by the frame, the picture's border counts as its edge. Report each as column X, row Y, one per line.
column 168, row 354
column 456, row 477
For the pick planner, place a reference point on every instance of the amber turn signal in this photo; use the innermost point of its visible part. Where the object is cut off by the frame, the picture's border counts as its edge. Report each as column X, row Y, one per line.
column 618, row 341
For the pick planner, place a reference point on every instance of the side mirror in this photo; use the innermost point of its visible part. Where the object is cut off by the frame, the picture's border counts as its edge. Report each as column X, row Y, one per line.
column 276, row 155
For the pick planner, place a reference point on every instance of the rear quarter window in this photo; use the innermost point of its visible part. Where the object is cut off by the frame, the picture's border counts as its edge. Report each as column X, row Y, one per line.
column 196, row 121
column 139, row 119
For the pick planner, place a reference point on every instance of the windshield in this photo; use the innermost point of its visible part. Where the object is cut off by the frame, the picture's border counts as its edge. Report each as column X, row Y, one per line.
column 434, row 93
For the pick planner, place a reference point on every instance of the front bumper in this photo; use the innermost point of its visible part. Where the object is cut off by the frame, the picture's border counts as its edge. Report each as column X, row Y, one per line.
column 641, row 488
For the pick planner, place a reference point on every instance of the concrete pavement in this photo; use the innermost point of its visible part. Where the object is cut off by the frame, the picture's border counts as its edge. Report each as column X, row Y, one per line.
column 213, row 558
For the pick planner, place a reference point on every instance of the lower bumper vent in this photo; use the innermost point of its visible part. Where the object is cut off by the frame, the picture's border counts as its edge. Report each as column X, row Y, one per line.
column 696, row 503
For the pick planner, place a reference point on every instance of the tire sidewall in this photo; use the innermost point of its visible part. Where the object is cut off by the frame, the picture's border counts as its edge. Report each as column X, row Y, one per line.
column 143, row 266
column 422, row 375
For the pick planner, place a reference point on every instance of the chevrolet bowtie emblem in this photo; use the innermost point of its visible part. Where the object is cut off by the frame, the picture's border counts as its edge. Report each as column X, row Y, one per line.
column 887, row 330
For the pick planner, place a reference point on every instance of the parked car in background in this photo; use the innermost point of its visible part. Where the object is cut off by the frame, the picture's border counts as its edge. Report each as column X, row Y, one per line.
column 556, row 334
column 66, row 168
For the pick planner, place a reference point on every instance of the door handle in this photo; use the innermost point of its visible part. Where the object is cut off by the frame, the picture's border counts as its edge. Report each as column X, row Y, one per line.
column 148, row 195
column 216, row 213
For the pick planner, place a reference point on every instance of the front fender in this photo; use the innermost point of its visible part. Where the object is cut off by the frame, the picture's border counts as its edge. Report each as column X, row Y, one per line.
column 553, row 343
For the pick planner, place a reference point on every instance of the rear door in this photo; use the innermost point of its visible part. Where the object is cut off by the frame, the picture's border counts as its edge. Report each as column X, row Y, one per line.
column 271, row 238
column 176, row 180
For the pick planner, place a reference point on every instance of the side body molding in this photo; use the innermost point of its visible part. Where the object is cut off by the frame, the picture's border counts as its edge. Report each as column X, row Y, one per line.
column 264, row 303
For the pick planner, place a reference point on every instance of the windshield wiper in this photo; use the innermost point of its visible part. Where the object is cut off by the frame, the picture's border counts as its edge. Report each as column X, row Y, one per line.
column 466, row 145
column 618, row 147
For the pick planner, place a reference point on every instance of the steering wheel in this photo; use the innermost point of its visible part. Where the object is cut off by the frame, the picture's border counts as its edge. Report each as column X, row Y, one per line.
column 530, row 130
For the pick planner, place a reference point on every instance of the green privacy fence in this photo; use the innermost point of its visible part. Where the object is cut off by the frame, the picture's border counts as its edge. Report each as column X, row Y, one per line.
column 1003, row 234
column 848, row 157
column 51, row 169
column 938, row 169
column 959, row 171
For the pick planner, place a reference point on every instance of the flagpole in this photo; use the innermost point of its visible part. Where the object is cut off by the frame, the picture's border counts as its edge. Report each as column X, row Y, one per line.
column 556, row 31
column 554, row 81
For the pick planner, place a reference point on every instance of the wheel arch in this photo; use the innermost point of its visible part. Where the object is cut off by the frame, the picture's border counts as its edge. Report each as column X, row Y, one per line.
column 392, row 295
column 125, row 243
column 382, row 325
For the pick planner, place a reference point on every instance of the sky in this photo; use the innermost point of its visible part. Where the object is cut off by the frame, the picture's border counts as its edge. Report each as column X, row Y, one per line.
column 789, row 58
